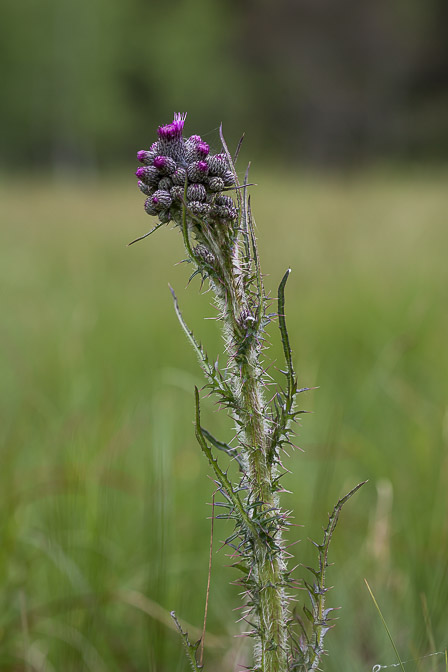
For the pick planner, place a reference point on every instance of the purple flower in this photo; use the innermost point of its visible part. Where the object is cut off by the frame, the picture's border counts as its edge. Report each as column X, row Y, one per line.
column 159, row 161
column 196, row 148
column 173, row 163
column 165, row 164
column 202, row 149
column 148, row 174
column 173, row 130
column 146, row 156
column 197, row 171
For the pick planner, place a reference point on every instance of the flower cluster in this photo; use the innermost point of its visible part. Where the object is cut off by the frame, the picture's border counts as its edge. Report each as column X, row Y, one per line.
column 178, row 172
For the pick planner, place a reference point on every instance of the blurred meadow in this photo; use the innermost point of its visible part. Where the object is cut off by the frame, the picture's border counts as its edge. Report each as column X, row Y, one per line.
column 104, row 494
column 103, row 489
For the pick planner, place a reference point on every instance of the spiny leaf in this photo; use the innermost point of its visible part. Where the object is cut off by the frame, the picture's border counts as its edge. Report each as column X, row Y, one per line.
column 215, row 380
column 256, row 262
column 308, row 614
column 290, row 375
column 245, row 228
column 220, row 445
column 222, row 477
column 314, row 648
column 238, row 147
column 190, row 649
column 157, row 226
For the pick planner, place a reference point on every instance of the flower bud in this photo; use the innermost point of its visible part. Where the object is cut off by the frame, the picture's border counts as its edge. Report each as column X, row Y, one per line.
column 149, row 175
column 218, row 164
column 202, row 253
column 215, row 183
column 165, row 216
column 196, row 149
column 145, row 188
column 146, row 156
column 228, row 178
column 161, row 200
column 197, row 171
column 196, row 192
column 165, row 184
column 179, row 176
column 224, row 200
column 223, row 212
column 150, row 207
column 164, row 164
column 203, row 149
column 199, row 209
column 177, row 193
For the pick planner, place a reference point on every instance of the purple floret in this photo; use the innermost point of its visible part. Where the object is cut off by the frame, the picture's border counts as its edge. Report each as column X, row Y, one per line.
column 202, row 166
column 202, row 149
column 140, row 172
column 159, row 161
column 173, row 130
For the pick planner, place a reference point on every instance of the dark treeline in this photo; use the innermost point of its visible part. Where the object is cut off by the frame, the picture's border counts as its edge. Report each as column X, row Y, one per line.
column 312, row 80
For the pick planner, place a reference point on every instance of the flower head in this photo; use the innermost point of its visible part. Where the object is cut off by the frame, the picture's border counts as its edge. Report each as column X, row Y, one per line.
column 173, row 130
column 180, row 172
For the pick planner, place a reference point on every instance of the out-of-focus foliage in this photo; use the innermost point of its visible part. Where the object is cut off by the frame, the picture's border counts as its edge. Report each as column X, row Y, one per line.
column 313, row 79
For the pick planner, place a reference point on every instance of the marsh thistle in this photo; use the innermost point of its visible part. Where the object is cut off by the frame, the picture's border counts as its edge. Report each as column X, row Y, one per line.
column 200, row 193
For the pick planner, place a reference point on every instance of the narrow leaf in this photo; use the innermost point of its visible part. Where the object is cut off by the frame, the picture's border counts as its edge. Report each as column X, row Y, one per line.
column 284, row 333
column 220, row 445
column 157, row 226
column 190, row 649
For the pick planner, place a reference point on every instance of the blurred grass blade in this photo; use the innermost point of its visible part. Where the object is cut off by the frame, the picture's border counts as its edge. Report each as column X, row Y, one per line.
column 385, row 625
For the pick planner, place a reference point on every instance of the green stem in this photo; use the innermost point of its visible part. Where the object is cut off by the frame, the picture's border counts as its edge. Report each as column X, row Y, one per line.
column 267, row 562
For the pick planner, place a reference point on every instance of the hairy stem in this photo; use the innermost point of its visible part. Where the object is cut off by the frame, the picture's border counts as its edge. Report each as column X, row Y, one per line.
column 243, row 345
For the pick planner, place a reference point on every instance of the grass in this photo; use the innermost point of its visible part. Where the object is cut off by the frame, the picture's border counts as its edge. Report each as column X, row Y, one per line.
column 103, row 490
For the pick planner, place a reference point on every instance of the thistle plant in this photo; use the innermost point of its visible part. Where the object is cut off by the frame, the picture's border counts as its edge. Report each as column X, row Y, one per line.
column 187, row 185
